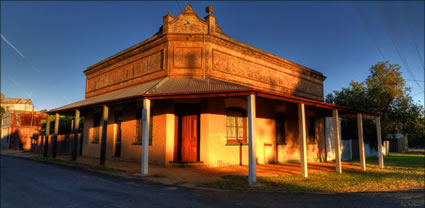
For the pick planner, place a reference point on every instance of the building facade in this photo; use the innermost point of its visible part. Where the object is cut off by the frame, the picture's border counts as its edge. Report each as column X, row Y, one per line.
column 19, row 123
column 196, row 95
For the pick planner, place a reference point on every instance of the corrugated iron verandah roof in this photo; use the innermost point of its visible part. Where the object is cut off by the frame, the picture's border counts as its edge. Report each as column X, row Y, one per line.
column 173, row 87
column 130, row 92
column 161, row 86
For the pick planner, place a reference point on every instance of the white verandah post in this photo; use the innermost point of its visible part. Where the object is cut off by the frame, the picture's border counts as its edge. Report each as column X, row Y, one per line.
column 361, row 142
column 252, row 174
column 145, row 138
column 302, row 138
column 337, row 141
column 379, row 137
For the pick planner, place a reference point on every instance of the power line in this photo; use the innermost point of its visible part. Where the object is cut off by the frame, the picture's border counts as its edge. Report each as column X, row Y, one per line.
column 187, row 22
column 414, row 80
column 411, row 33
column 394, row 41
column 418, row 93
column 367, row 30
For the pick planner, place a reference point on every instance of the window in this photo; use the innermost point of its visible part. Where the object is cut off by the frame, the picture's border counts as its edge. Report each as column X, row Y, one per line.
column 280, row 129
column 96, row 128
column 139, row 128
column 311, row 131
column 236, row 125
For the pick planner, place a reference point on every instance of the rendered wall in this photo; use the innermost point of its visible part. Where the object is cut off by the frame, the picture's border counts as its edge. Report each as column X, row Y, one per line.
column 219, row 153
column 129, row 149
column 214, row 150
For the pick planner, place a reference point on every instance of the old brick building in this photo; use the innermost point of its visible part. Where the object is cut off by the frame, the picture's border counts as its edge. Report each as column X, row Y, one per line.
column 196, row 95
column 19, row 122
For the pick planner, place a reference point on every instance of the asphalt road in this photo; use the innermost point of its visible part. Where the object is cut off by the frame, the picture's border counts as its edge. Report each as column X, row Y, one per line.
column 26, row 183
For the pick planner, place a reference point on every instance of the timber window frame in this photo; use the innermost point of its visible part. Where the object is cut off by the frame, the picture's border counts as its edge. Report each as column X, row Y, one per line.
column 236, row 126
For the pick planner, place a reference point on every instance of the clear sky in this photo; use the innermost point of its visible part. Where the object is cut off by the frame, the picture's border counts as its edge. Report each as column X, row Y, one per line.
column 45, row 46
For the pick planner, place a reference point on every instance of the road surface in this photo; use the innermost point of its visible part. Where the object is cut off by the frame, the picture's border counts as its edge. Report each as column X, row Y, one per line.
column 26, row 183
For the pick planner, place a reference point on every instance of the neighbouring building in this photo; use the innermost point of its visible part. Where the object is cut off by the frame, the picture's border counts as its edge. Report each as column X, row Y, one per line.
column 200, row 96
column 19, row 123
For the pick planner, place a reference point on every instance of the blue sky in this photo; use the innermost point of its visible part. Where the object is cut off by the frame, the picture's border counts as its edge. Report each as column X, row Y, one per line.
column 45, row 46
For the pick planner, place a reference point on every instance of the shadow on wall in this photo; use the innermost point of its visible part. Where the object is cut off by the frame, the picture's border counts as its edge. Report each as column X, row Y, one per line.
column 14, row 140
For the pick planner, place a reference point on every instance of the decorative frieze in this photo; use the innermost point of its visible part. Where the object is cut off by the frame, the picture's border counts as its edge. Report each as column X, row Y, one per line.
column 148, row 64
column 271, row 77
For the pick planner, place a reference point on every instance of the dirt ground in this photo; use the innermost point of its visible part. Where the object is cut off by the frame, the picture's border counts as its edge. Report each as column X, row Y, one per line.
column 195, row 174
column 191, row 175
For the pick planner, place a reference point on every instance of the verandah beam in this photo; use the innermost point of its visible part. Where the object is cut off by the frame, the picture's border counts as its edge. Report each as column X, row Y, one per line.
column 75, row 140
column 302, row 138
column 55, row 137
column 337, row 141
column 252, row 172
column 361, row 142
column 146, row 118
column 105, row 118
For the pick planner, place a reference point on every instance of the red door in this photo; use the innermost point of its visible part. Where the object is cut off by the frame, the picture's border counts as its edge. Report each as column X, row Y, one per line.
column 189, row 138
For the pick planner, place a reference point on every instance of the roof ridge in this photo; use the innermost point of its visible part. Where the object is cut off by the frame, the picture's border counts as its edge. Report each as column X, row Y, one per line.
column 158, row 84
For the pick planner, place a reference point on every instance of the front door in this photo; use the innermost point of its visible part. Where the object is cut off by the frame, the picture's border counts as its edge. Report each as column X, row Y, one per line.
column 189, row 138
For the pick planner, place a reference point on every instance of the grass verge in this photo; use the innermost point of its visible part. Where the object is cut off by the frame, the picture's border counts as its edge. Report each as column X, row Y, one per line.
column 402, row 172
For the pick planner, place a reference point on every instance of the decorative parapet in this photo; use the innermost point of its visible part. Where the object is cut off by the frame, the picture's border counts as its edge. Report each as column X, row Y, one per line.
column 189, row 22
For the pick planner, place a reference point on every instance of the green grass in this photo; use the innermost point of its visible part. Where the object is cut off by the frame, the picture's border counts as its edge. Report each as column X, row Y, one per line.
column 401, row 172
column 76, row 164
column 400, row 160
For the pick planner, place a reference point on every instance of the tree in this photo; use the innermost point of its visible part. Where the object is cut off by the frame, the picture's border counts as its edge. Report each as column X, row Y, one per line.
column 64, row 124
column 384, row 91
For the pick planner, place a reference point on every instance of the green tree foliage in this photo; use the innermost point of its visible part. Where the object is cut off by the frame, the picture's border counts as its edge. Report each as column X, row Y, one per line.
column 65, row 123
column 384, row 91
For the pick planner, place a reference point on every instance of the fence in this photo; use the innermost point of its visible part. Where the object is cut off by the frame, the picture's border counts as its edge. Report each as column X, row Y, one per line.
column 63, row 145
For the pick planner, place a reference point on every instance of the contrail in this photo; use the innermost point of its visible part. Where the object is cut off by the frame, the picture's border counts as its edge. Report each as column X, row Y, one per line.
column 17, row 51
column 11, row 45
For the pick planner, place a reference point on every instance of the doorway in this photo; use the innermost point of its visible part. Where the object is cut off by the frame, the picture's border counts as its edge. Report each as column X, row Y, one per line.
column 117, row 150
column 187, row 133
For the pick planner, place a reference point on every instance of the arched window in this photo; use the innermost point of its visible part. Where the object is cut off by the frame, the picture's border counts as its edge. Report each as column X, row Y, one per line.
column 236, row 125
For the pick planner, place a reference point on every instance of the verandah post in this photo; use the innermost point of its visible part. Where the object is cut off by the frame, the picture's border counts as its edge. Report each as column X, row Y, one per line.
column 46, row 136
column 361, row 142
column 337, row 141
column 105, row 118
column 302, row 139
column 146, row 133
column 379, row 137
column 75, row 140
column 55, row 137
column 252, row 172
